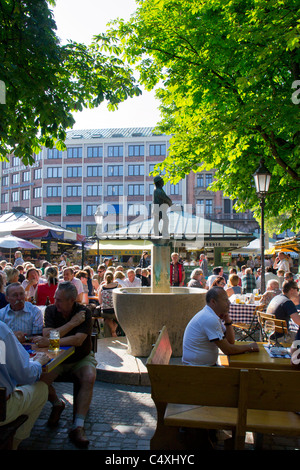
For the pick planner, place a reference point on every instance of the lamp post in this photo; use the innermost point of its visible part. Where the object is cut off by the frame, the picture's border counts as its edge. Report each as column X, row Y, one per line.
column 99, row 229
column 262, row 178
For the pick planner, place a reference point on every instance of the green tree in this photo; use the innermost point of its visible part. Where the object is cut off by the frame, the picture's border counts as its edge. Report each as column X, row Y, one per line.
column 229, row 81
column 46, row 81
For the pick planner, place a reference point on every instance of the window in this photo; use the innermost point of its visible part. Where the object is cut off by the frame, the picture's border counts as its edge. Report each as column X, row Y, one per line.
column 115, row 190
column 4, row 198
column 95, row 151
column 137, row 209
column 5, row 181
column 26, row 194
column 37, row 211
column 157, row 149
column 208, row 206
column 15, row 196
column 94, row 190
column 136, row 170
column 200, row 207
column 200, row 181
column 135, row 190
column 15, row 161
column 74, row 191
column 73, row 210
column 74, row 152
column 115, row 151
column 136, row 150
column 174, row 189
column 74, row 171
column 38, row 174
column 37, row 192
column 115, row 170
column 94, row 170
column 227, row 206
column 208, row 179
column 75, row 228
column 54, row 172
column 91, row 209
column 90, row 230
column 54, row 153
column 53, row 191
column 53, row 210
column 15, row 178
column 26, row 176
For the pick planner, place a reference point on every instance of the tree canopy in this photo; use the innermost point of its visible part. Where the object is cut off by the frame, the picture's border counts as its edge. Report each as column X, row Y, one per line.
column 46, row 81
column 229, row 80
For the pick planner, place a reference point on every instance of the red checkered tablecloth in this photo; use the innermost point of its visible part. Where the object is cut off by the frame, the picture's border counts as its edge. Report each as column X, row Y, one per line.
column 242, row 313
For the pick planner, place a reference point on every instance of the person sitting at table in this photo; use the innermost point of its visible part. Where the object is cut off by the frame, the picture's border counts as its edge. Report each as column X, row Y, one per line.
column 283, row 306
column 12, row 275
column 233, row 286
column 23, row 318
column 269, row 275
column 32, row 280
column 48, row 288
column 25, row 393
column 106, row 302
column 74, row 323
column 3, row 301
column 217, row 271
column 132, row 280
column 219, row 282
column 119, row 277
column 90, row 285
column 145, row 277
column 280, row 275
column 271, row 291
column 69, row 275
column 210, row 330
column 83, row 276
column 197, row 279
column 248, row 282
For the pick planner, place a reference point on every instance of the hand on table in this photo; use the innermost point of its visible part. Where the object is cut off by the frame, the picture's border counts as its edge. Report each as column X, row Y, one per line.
column 41, row 357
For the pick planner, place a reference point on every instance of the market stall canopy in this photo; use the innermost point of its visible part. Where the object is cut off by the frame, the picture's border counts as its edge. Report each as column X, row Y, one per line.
column 193, row 230
column 291, row 244
column 119, row 247
column 27, row 226
column 14, row 242
column 254, row 247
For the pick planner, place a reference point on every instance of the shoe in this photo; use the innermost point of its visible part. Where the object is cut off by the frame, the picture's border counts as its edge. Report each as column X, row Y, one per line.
column 55, row 414
column 78, row 437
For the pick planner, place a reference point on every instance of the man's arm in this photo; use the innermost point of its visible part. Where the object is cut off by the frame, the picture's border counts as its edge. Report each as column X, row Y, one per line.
column 231, row 349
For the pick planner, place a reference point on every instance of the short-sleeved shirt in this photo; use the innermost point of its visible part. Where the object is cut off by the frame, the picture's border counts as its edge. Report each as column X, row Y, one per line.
column 282, row 307
column 199, row 348
column 54, row 319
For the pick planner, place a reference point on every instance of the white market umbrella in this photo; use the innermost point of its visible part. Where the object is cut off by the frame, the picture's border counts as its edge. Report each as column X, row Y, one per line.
column 10, row 241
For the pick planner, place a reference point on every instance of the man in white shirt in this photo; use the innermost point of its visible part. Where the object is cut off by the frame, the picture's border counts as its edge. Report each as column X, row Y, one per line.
column 218, row 271
column 281, row 262
column 210, row 330
column 132, row 280
column 69, row 275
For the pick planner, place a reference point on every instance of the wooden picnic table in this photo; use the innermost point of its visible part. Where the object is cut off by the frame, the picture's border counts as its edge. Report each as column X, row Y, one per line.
column 258, row 360
column 56, row 358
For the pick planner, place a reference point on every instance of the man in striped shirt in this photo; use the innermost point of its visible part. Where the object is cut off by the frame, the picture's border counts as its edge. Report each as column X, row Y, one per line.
column 23, row 318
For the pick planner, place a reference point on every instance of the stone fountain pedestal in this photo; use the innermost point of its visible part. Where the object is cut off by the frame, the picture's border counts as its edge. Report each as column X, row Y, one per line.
column 142, row 313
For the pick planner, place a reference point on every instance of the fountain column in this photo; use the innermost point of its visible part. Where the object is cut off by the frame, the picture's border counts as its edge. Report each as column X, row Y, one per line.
column 160, row 266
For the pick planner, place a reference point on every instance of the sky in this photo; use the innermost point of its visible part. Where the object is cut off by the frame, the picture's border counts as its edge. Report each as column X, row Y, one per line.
column 80, row 20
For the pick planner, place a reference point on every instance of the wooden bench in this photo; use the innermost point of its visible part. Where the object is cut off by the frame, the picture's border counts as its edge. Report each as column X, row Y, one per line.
column 193, row 397
column 255, row 400
column 7, row 431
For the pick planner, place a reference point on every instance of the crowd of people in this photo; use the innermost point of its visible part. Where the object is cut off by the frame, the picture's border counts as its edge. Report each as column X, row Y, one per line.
column 67, row 292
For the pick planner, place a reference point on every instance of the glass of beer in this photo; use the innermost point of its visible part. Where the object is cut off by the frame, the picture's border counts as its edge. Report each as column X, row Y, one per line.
column 54, row 341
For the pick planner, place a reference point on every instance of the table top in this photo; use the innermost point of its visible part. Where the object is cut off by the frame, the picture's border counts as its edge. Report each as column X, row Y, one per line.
column 243, row 313
column 259, row 360
column 56, row 358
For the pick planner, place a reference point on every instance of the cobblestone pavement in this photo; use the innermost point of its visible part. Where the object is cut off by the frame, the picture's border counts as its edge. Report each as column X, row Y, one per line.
column 121, row 418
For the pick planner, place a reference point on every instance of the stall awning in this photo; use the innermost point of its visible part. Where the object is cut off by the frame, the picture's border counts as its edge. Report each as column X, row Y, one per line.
column 120, row 247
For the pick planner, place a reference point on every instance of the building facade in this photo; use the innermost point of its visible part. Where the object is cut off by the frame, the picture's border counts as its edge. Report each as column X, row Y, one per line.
column 107, row 167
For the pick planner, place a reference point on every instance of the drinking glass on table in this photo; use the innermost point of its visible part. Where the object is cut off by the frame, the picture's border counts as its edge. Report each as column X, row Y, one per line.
column 269, row 328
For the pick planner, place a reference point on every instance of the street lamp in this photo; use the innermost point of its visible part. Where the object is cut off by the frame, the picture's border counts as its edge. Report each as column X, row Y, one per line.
column 262, row 178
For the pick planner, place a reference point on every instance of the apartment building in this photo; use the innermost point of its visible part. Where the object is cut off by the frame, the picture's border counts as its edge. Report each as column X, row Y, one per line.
column 107, row 167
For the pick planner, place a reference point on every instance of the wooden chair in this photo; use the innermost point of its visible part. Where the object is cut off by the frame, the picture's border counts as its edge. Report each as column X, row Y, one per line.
column 280, row 325
column 273, row 402
column 193, row 397
column 8, row 431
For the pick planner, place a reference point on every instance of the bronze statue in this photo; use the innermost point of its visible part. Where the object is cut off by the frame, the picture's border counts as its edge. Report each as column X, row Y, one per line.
column 161, row 202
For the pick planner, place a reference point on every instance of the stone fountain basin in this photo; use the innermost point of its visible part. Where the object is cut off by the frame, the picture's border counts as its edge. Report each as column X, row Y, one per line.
column 142, row 313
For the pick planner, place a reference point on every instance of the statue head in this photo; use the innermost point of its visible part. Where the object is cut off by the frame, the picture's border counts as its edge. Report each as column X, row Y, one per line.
column 158, row 181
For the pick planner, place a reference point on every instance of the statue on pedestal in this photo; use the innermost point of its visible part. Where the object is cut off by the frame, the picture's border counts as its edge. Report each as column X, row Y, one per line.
column 161, row 202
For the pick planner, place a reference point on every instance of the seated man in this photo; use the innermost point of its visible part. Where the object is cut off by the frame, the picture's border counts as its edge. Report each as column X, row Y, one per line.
column 25, row 394
column 210, row 330
column 283, row 306
column 69, row 275
column 132, row 280
column 74, row 323
column 248, row 282
column 23, row 318
column 271, row 291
